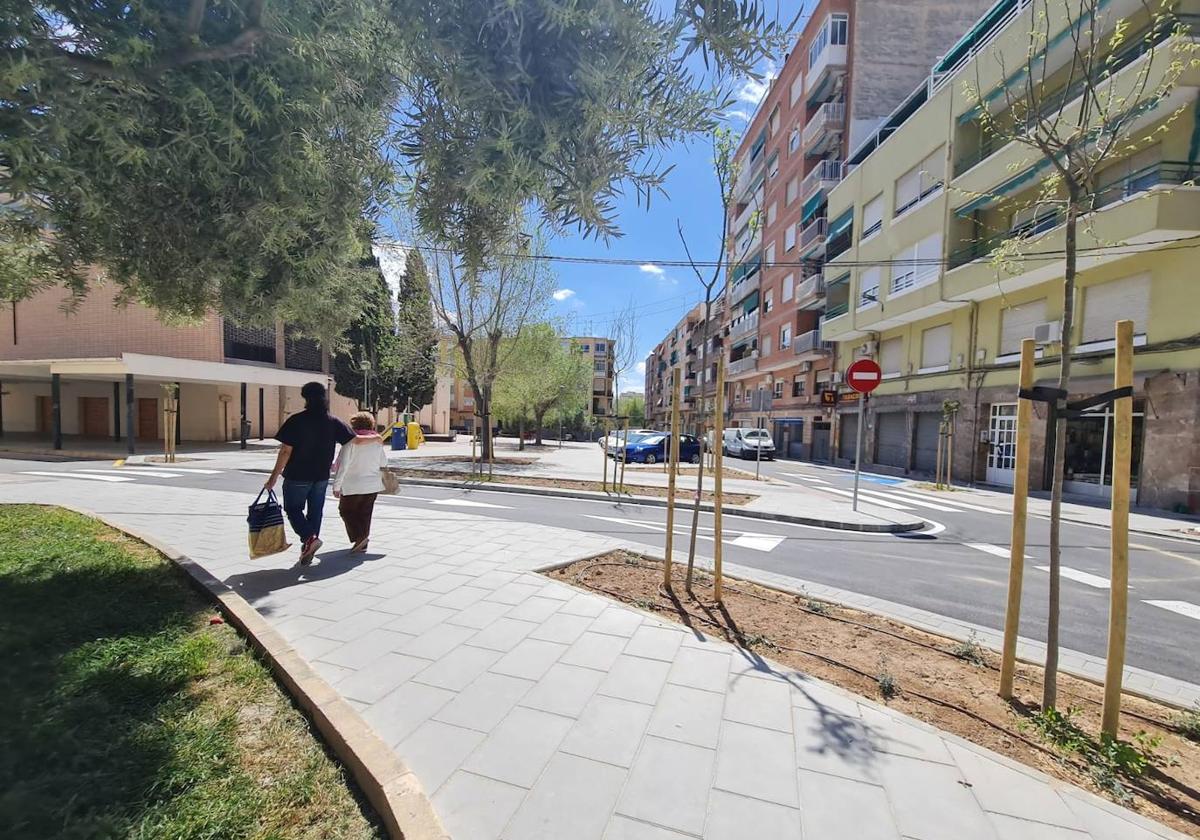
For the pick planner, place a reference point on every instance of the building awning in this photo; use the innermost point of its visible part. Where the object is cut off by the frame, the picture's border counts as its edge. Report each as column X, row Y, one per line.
column 841, row 224
column 964, row 44
column 815, row 203
column 751, row 302
column 161, row 368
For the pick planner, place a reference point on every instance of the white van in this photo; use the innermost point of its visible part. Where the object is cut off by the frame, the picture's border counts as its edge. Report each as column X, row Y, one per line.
column 748, row 443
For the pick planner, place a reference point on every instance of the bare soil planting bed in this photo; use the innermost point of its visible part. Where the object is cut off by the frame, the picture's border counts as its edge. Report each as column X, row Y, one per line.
column 1154, row 767
column 682, row 495
column 726, row 472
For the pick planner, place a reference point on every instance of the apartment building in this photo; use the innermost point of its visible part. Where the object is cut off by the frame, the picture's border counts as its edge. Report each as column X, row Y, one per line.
column 930, row 200
column 854, row 62
column 600, row 353
column 98, row 371
column 682, row 355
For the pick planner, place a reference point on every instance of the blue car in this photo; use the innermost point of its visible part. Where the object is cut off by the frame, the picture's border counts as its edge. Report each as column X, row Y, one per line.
column 650, row 449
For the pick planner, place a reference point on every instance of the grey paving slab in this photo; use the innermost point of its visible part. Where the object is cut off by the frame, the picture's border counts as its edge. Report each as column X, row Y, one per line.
column 398, row 714
column 669, row 785
column 485, row 702
column 572, row 801
column 836, row 745
column 617, row 621
column 434, row 750
column 1103, row 822
column 1002, row 789
column 417, row 621
column 536, row 609
column 595, row 650
column 518, row 749
column 734, row 817
column 609, row 729
column 838, row 807
column 458, row 668
column 757, row 762
column 585, row 604
column 405, row 601
column 624, row 828
column 479, row 615
column 530, row 659
column 900, row 736
column 760, row 702
column 561, row 627
column 689, row 715
column 503, row 634
column 361, row 652
column 436, row 642
column 476, row 808
column 1011, row 828
column 912, row 784
column 514, row 593
column 634, row 678
column 654, row 642
column 376, row 680
column 564, row 690
column 703, row 668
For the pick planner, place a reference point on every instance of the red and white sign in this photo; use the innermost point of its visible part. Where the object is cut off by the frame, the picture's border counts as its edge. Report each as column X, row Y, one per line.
column 864, row 376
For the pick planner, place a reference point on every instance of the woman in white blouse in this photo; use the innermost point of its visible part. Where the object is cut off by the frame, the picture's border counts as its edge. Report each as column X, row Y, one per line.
column 357, row 481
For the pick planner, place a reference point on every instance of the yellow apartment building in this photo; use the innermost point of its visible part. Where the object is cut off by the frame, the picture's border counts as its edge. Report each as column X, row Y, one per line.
column 932, row 200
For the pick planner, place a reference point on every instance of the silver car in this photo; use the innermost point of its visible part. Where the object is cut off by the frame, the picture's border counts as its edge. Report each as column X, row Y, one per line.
column 748, row 443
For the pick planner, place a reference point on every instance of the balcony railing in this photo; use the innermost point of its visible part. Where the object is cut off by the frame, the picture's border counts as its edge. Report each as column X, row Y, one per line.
column 824, row 176
column 1170, row 172
column 814, row 232
column 980, row 36
column 742, row 365
column 810, row 291
column 809, row 342
column 744, row 324
column 829, row 118
column 834, row 310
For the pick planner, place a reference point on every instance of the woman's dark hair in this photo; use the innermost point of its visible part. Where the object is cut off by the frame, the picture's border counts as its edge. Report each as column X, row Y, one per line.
column 314, row 396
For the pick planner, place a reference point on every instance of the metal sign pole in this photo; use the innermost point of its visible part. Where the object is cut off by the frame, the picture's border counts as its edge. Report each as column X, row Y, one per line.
column 862, row 398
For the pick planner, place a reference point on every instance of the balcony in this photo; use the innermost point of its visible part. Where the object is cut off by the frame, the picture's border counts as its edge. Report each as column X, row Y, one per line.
column 822, row 132
column 744, row 324
column 812, row 238
column 810, row 344
column 810, row 294
column 742, row 365
column 829, row 65
column 824, row 177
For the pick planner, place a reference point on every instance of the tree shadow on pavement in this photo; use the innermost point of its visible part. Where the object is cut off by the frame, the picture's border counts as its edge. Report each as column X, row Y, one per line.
column 331, row 564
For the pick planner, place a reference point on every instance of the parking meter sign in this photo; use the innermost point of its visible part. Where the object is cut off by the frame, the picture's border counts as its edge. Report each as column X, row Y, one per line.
column 864, row 376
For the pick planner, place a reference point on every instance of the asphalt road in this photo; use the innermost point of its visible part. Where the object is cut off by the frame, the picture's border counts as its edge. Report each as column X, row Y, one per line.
column 956, row 567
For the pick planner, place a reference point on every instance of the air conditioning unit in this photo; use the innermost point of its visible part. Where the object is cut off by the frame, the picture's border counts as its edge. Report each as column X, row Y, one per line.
column 805, row 367
column 869, row 348
column 1047, row 333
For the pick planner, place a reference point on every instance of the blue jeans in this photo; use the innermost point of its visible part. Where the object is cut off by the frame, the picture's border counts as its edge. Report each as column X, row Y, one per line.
column 297, row 495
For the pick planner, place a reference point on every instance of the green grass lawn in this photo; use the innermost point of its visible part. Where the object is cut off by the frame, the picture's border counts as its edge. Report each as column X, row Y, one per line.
column 123, row 713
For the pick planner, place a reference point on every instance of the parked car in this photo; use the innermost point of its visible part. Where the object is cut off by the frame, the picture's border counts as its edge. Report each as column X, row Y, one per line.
column 650, row 449
column 611, row 443
column 748, row 443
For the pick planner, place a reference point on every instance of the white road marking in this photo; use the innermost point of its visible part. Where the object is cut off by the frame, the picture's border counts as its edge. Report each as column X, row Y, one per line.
column 177, row 468
column 806, row 478
column 849, row 495
column 466, row 503
column 758, row 542
column 957, row 505
column 998, row 550
column 1081, row 577
column 48, row 474
column 908, row 500
column 1181, row 607
column 151, row 473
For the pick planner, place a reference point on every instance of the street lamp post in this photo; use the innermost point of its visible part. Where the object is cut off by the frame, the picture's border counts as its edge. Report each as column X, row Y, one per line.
column 365, row 367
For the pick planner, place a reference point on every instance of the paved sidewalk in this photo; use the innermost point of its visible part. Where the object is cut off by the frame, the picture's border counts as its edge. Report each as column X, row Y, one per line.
column 533, row 710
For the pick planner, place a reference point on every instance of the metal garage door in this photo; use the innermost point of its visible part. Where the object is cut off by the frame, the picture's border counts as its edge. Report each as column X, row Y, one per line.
column 891, row 448
column 848, row 428
column 925, row 457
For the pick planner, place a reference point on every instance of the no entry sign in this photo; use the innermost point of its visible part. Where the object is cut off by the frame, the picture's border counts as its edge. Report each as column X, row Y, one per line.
column 864, row 376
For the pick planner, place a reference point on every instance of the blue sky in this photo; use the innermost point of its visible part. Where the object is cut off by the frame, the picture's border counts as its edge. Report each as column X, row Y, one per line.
column 589, row 296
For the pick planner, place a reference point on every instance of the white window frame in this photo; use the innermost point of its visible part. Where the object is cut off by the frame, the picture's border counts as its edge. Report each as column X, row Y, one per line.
column 938, row 366
column 885, row 351
column 778, row 389
column 794, row 140
column 868, row 284
column 789, row 238
column 872, row 221
column 789, row 288
column 785, row 336
column 792, row 192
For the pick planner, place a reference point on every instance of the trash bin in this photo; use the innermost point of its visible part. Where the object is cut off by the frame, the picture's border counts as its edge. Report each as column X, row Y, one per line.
column 399, row 437
column 415, row 436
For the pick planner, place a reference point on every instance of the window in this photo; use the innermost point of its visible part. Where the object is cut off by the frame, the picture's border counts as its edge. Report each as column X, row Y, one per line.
column 773, row 166
column 921, row 181
column 770, row 256
column 766, row 345
column 935, row 349
column 789, row 238
column 793, row 190
column 1030, row 221
column 789, row 288
column 785, row 336
column 891, row 356
column 793, row 140
column 1017, row 323
column 773, row 126
column 917, row 265
column 601, row 347
column 600, row 366
column 836, row 31
column 839, row 30
column 798, row 385
column 778, row 389
column 1129, row 176
column 772, row 212
column 797, row 89
column 868, row 287
column 1107, row 303
column 586, row 348
column 768, row 301
column 872, row 217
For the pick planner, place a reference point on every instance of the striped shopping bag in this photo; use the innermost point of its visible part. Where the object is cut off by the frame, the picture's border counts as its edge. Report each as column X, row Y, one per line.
column 267, row 534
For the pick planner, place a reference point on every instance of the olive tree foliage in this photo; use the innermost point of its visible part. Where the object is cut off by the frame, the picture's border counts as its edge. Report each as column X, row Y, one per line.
column 546, row 376
column 1078, row 104
column 224, row 154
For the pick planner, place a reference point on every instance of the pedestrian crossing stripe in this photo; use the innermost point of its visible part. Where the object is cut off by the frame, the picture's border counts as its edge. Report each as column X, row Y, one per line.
column 48, row 474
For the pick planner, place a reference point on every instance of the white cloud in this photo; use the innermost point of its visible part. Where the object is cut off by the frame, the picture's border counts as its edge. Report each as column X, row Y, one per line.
column 562, row 294
column 752, row 91
column 735, row 114
column 651, row 268
column 641, row 368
